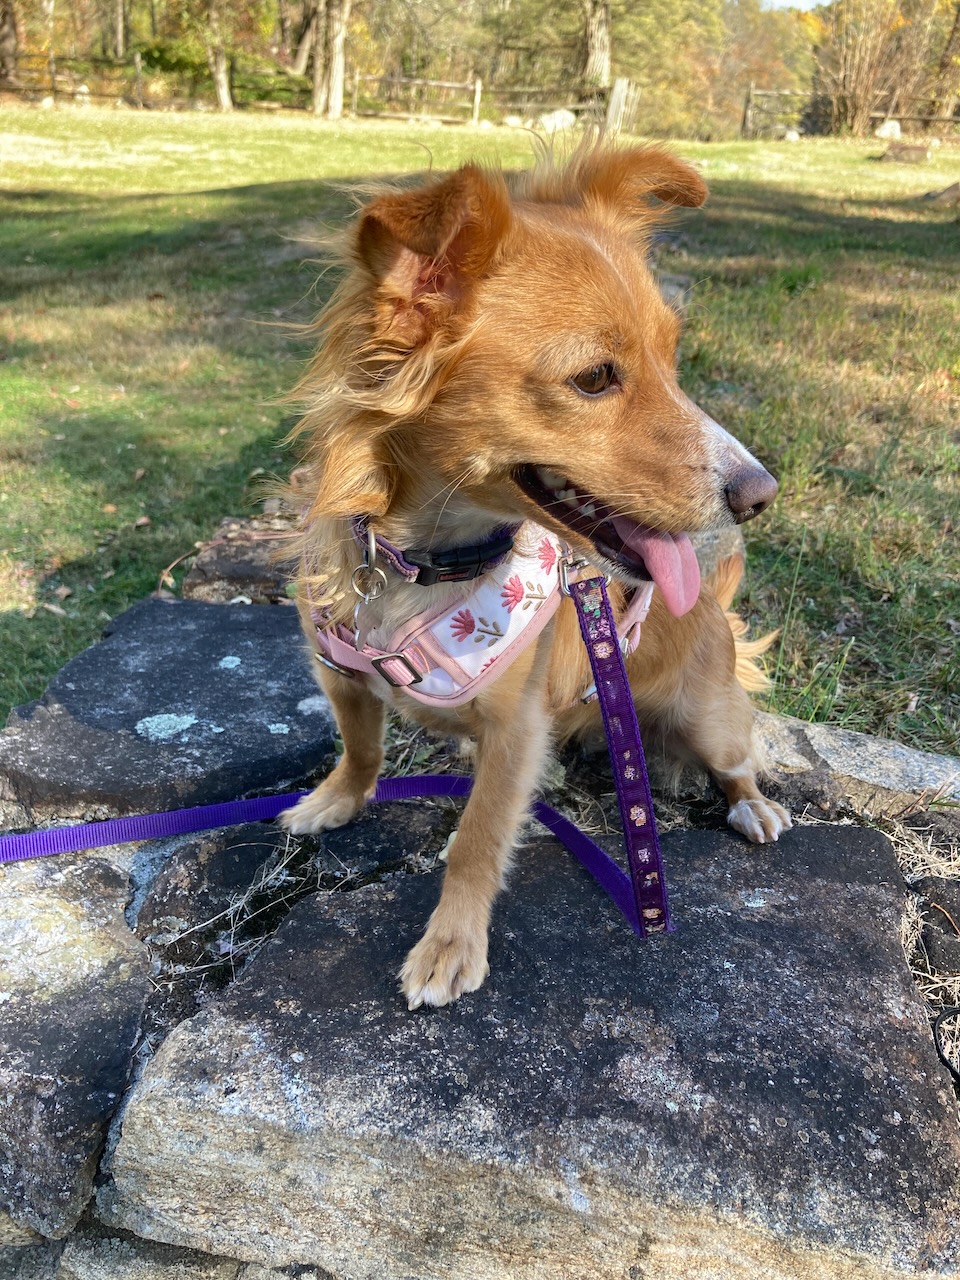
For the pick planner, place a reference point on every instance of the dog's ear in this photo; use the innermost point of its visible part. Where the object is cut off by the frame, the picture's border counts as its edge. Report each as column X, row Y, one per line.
column 620, row 178
column 426, row 248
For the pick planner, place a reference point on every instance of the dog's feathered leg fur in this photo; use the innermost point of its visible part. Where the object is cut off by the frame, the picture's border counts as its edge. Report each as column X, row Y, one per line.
column 361, row 718
column 512, row 740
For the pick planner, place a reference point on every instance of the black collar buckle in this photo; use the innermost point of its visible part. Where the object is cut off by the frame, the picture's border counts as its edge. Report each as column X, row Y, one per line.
column 459, row 564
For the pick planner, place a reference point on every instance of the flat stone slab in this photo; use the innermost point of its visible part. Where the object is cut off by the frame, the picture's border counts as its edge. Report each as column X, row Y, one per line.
column 180, row 704
column 754, row 1095
column 73, row 981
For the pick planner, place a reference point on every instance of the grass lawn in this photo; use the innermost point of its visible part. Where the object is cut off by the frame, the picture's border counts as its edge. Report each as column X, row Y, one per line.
column 151, row 266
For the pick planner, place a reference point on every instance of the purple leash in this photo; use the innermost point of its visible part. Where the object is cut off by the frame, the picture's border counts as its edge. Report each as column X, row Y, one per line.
column 599, row 630
column 641, row 896
column 158, row 826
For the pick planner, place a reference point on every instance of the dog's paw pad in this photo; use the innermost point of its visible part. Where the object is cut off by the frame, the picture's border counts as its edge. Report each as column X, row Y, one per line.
column 321, row 810
column 437, row 971
column 761, row 821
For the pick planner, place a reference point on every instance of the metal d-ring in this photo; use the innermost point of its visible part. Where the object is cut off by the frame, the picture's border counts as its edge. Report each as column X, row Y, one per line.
column 374, row 583
column 573, row 564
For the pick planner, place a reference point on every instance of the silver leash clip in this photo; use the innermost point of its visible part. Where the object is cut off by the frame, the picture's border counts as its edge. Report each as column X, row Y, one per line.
column 369, row 583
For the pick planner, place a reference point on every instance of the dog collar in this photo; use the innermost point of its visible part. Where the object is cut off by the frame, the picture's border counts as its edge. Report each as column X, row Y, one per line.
column 452, row 564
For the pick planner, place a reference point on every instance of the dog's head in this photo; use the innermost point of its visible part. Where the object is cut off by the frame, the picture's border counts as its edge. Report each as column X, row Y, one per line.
column 508, row 355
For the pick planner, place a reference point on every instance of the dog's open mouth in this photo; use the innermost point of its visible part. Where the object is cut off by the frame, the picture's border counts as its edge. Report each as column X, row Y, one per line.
column 631, row 550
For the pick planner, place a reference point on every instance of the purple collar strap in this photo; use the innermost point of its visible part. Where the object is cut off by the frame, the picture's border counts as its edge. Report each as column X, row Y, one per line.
column 453, row 564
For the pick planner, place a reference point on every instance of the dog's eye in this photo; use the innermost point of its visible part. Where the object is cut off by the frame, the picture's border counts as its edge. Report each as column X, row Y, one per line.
column 596, row 380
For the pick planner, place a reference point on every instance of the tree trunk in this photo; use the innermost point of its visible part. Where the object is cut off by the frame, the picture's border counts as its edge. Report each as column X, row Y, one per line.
column 948, row 74
column 321, row 61
column 8, row 43
column 120, row 31
column 283, row 29
column 595, row 71
column 309, row 32
column 217, row 59
column 338, row 15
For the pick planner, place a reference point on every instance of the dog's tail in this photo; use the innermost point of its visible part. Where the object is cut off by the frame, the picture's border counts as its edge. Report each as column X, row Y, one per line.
column 723, row 582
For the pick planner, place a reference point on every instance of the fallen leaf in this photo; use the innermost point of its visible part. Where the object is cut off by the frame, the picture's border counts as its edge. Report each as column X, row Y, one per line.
column 109, row 508
column 139, row 473
column 141, row 522
column 108, row 573
column 54, row 608
column 63, row 593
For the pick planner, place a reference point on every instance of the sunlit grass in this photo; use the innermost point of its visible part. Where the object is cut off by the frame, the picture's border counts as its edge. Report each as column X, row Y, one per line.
column 151, row 267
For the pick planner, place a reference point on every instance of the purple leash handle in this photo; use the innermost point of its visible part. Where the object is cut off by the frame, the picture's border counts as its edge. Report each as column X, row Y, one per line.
column 158, row 826
column 599, row 630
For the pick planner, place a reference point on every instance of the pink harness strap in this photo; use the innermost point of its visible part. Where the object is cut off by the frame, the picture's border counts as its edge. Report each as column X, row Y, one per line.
column 447, row 655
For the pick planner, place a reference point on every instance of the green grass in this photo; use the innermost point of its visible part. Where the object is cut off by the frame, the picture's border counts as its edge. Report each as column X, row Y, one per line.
column 150, row 268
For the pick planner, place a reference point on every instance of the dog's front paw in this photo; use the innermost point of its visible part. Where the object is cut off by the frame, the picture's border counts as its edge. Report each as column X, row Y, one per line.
column 329, row 805
column 442, row 967
column 761, row 821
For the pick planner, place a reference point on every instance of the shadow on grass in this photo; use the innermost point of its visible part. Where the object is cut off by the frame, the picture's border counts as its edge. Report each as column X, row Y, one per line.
column 753, row 219
column 34, row 648
column 67, row 232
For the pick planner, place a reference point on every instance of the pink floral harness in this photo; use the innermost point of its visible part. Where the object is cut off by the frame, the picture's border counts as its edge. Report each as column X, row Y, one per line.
column 445, row 656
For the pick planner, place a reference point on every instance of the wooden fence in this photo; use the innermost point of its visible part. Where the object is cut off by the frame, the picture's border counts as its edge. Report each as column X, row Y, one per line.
column 454, row 102
column 770, row 112
column 457, row 102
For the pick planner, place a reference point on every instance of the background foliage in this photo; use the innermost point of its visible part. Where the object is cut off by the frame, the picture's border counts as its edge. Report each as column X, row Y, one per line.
column 692, row 59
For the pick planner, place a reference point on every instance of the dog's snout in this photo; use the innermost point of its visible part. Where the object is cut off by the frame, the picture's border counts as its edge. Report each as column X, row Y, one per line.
column 749, row 491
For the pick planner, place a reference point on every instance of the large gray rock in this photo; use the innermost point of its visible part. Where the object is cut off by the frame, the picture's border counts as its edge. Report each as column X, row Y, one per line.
column 180, row 704
column 756, row 1094
column 36, row 1262
column 73, row 981
column 874, row 775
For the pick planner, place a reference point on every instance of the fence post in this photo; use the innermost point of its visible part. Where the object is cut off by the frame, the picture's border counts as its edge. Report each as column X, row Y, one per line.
column 746, row 124
column 616, row 105
column 477, row 90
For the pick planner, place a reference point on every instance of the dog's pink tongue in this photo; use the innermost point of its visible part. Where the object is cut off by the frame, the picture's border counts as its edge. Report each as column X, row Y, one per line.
column 671, row 562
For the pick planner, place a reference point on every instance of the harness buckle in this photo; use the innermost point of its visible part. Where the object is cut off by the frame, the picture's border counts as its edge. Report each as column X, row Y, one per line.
column 377, row 664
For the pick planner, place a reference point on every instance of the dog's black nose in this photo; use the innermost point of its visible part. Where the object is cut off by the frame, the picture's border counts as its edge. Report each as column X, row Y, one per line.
column 749, row 491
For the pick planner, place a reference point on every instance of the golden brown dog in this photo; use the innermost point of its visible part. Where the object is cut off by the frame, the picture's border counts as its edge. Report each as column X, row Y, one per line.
column 497, row 355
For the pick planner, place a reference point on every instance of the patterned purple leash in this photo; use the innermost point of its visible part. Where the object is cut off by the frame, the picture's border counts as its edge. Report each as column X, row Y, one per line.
column 641, row 896
column 599, row 630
